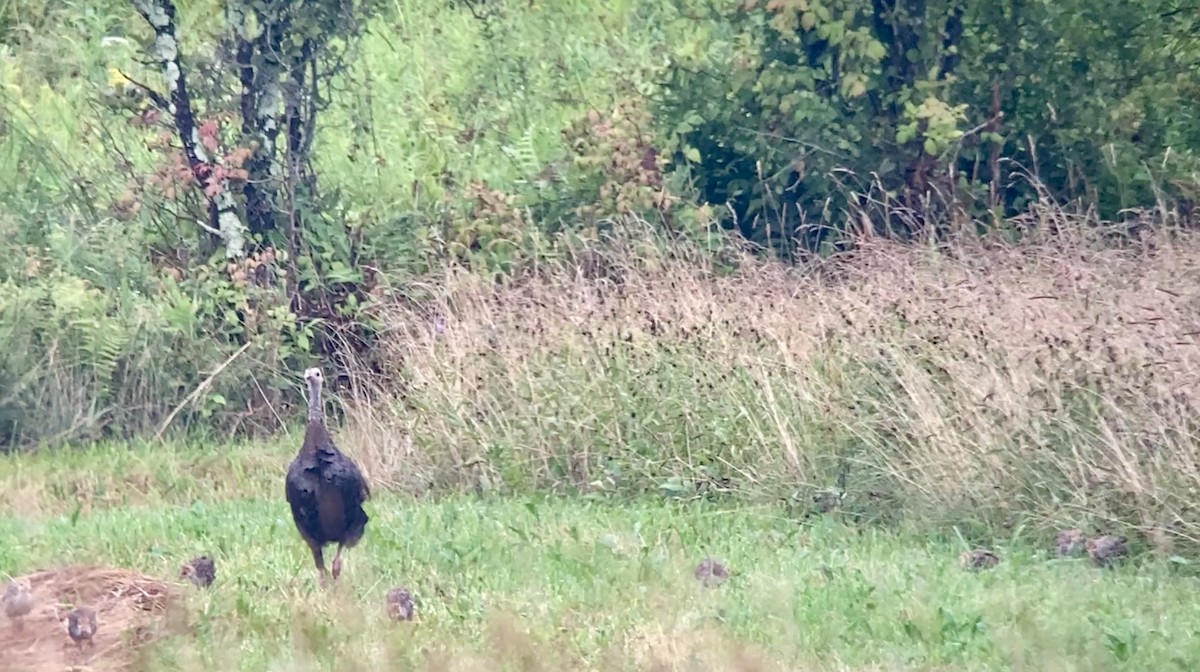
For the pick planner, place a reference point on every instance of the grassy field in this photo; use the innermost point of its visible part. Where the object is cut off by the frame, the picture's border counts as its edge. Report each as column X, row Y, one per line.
column 684, row 413
column 579, row 583
column 554, row 453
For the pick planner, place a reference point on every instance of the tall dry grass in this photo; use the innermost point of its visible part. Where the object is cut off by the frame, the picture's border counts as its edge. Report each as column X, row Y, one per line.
column 971, row 381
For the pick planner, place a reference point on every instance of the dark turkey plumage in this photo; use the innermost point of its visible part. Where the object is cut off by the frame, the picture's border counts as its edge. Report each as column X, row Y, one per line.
column 325, row 488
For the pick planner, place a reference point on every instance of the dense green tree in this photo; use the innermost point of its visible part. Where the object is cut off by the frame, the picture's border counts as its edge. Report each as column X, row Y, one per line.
column 792, row 110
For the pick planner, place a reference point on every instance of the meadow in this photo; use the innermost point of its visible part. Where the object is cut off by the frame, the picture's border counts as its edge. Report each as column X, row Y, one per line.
column 546, row 582
column 568, row 385
column 521, row 561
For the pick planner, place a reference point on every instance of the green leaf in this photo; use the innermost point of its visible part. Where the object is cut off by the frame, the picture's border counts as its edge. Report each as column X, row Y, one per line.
column 691, row 154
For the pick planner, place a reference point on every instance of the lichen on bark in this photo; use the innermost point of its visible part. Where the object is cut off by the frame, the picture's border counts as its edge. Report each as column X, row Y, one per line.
column 160, row 14
column 283, row 56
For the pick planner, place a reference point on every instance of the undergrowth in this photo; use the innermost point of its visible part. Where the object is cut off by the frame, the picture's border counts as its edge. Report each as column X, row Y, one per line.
column 964, row 380
column 970, row 381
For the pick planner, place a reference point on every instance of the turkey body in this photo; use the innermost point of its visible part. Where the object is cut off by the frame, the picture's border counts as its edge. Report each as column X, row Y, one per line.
column 325, row 489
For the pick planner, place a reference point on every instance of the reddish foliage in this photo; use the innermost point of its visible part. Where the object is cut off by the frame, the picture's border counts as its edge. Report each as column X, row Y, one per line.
column 209, row 176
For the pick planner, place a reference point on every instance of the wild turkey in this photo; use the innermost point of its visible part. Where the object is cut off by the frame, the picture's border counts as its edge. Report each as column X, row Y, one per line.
column 1106, row 550
column 400, row 605
column 978, row 559
column 711, row 573
column 18, row 600
column 1069, row 542
column 201, row 570
column 81, row 626
column 325, row 489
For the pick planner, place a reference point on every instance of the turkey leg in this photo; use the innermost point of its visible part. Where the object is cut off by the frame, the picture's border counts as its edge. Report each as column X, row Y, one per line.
column 337, row 562
column 319, row 559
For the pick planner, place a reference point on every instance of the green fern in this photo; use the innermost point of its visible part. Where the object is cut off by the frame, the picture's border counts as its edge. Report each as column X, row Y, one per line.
column 105, row 342
column 524, row 153
column 81, row 318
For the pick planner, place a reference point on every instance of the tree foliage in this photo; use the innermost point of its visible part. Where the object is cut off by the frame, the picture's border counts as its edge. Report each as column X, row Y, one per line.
column 167, row 220
column 790, row 110
column 284, row 56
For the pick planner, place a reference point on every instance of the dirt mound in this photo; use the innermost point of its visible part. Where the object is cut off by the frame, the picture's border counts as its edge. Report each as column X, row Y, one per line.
column 130, row 610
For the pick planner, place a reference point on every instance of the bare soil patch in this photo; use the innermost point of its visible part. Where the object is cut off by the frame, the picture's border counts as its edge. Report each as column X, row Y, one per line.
column 132, row 609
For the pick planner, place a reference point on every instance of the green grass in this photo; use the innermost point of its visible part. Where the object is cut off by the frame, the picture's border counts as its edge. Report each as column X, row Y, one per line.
column 571, row 583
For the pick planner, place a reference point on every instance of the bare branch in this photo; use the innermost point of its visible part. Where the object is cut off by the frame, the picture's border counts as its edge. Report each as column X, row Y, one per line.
column 155, row 97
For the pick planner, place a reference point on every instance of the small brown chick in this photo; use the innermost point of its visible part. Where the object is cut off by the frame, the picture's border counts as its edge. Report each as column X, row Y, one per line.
column 400, row 605
column 711, row 573
column 201, row 571
column 81, row 626
column 1069, row 542
column 978, row 559
column 1106, row 549
column 18, row 600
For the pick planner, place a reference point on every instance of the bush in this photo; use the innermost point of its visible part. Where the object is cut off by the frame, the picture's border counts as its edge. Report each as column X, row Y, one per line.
column 805, row 115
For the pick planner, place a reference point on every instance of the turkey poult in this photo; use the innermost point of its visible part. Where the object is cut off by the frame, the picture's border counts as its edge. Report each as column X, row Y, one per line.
column 81, row 626
column 978, row 559
column 1070, row 542
column 1106, row 550
column 201, row 571
column 18, row 600
column 711, row 573
column 325, row 489
column 400, row 604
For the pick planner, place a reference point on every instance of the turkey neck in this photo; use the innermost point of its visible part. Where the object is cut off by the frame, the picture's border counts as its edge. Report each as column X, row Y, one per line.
column 314, row 432
column 316, row 413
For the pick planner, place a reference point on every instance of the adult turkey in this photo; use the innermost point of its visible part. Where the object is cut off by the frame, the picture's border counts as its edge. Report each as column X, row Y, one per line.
column 325, row 488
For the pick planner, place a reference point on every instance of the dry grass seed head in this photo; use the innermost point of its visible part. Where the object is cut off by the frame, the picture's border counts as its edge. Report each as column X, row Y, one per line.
column 965, row 376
